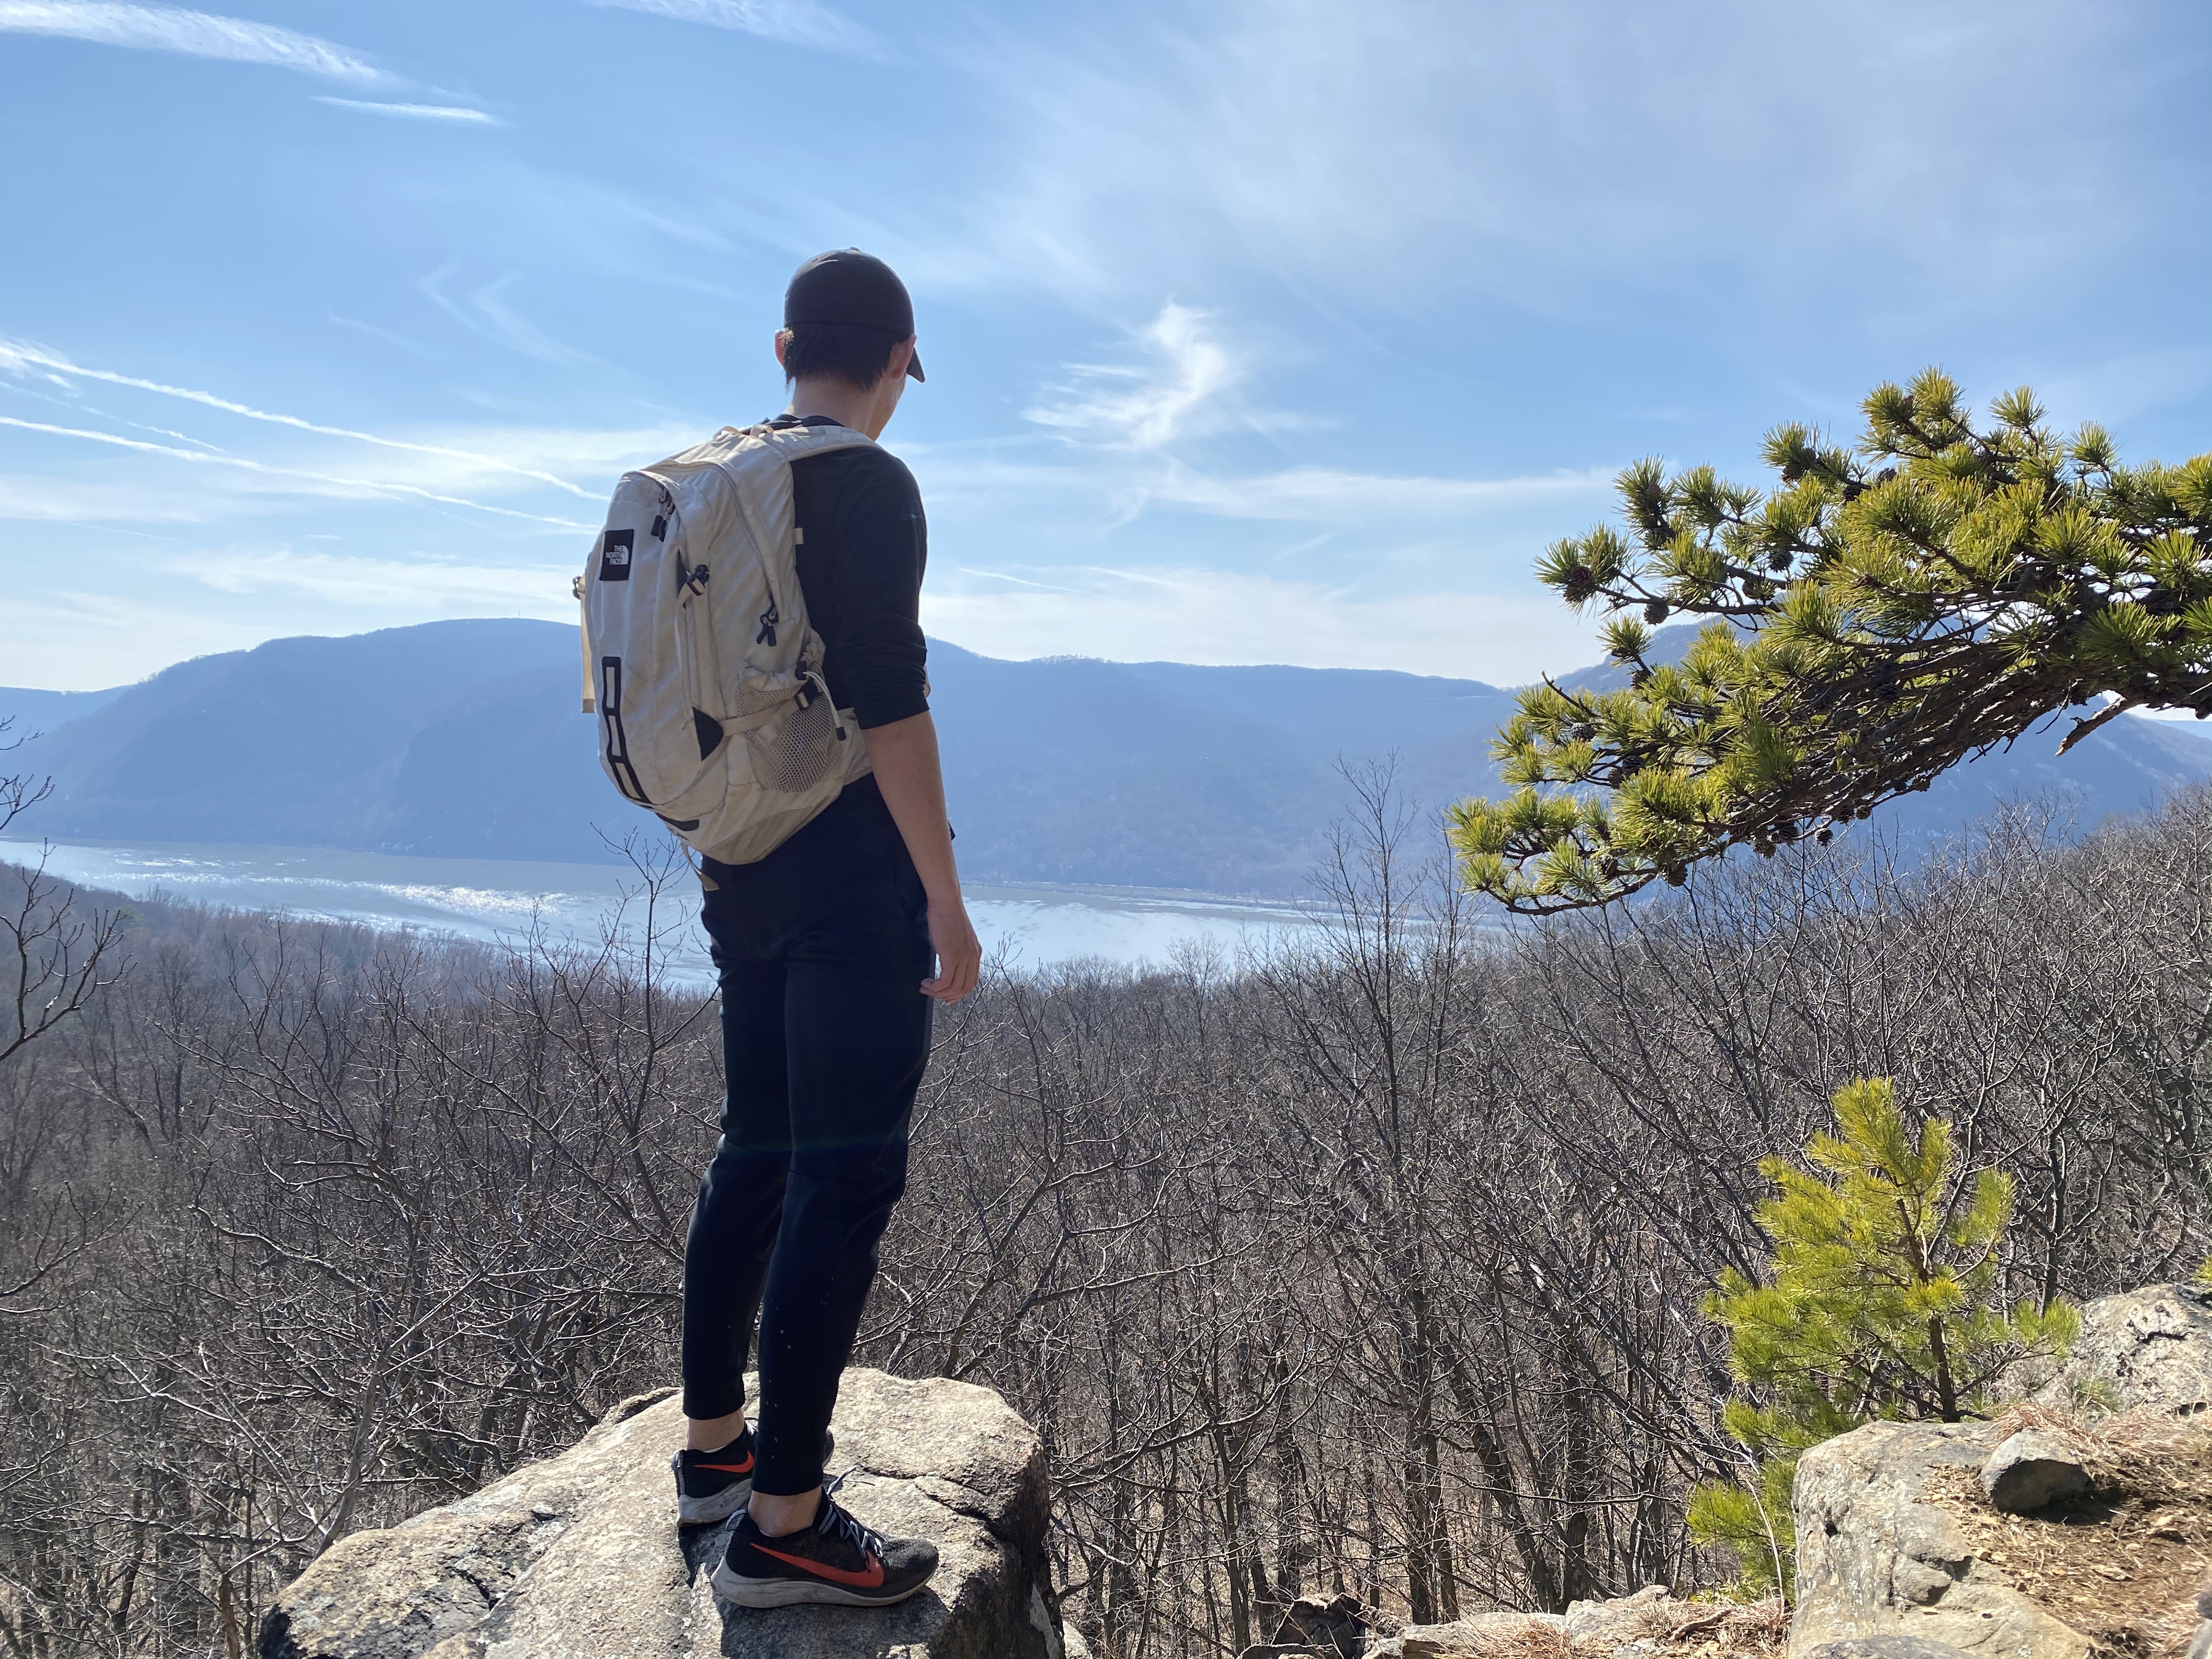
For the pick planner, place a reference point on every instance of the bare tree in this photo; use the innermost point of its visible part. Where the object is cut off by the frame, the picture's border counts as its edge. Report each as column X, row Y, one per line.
column 50, row 957
column 1369, row 1261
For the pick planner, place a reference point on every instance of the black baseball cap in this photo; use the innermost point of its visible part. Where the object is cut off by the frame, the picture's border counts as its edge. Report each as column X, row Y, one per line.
column 855, row 289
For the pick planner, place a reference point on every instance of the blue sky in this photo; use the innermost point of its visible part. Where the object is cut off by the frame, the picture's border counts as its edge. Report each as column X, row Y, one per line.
column 1285, row 332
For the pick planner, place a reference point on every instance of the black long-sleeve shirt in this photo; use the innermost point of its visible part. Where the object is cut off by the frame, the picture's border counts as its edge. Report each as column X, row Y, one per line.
column 861, row 555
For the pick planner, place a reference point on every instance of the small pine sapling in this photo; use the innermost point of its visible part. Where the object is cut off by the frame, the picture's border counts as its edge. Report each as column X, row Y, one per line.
column 1882, row 1303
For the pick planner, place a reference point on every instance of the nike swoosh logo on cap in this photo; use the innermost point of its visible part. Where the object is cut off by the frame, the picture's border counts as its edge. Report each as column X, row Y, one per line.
column 872, row 1579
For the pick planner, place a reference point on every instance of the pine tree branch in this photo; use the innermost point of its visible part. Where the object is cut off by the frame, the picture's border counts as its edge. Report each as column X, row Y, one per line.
column 2082, row 728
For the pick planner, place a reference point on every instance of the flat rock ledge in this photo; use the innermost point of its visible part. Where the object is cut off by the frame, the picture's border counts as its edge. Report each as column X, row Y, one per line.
column 1876, row 1560
column 579, row 1557
column 1647, row 1625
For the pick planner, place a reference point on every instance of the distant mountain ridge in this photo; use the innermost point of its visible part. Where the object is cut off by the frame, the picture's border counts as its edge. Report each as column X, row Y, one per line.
column 463, row 738
column 30, row 711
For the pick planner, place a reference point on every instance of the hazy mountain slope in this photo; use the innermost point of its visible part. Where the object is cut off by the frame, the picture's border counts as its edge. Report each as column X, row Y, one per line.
column 1166, row 775
column 464, row 738
column 298, row 741
column 42, row 711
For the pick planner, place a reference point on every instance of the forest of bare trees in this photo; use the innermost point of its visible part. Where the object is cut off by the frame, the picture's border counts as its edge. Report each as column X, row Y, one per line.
column 1372, row 1263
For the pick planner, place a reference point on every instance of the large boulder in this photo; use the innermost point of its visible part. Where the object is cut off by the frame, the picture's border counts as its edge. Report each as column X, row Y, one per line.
column 1877, row 1555
column 579, row 1555
column 1310, row 1628
column 2149, row 1350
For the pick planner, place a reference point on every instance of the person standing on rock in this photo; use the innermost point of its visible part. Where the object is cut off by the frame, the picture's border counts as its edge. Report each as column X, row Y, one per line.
column 832, row 951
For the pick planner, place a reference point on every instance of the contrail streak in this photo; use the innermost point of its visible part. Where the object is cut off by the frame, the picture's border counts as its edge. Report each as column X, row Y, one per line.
column 14, row 352
column 240, row 461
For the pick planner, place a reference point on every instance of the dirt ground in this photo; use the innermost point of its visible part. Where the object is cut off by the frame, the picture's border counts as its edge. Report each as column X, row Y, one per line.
column 2123, row 1564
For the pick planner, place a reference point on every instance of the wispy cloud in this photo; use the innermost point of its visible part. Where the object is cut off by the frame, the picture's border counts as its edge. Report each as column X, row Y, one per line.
column 1133, row 482
column 1201, row 616
column 796, row 23
column 367, row 486
column 193, row 34
column 1542, row 155
column 484, row 312
column 439, row 585
column 18, row 355
column 450, row 114
column 81, row 409
column 413, row 348
column 1325, row 494
column 1146, row 405
column 41, row 499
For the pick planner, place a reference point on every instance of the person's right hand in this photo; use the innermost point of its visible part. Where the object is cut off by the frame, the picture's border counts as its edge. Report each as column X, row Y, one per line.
column 959, row 952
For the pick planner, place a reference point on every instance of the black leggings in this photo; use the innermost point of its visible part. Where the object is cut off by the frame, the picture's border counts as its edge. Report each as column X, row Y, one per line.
column 822, row 947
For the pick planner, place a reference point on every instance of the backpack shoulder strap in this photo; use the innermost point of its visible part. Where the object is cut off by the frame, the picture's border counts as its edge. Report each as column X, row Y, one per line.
column 787, row 443
column 755, row 462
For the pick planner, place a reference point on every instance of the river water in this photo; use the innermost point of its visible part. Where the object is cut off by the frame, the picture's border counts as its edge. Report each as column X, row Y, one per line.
column 494, row 899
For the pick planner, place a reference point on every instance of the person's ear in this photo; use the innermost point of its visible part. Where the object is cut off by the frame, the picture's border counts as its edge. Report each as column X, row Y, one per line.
column 902, row 354
column 782, row 340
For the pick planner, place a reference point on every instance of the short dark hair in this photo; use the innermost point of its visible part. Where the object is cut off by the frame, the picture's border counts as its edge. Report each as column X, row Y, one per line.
column 837, row 351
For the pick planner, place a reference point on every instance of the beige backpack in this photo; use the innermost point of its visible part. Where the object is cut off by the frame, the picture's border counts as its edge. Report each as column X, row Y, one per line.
column 698, row 660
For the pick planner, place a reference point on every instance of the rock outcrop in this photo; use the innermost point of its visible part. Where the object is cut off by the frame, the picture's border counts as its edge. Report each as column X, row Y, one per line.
column 1481, row 1636
column 1876, row 1557
column 1647, row 1625
column 579, row 1557
column 1885, row 1647
column 2149, row 1349
column 2052, row 1533
column 1310, row 1628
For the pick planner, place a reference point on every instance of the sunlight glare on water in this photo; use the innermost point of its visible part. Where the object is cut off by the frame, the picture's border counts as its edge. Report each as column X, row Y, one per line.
column 495, row 900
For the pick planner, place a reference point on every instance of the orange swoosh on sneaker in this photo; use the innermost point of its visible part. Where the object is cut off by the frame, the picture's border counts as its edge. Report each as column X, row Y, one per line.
column 745, row 1467
column 872, row 1579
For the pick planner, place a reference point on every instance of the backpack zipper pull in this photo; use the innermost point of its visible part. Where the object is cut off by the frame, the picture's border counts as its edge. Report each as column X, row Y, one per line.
column 822, row 689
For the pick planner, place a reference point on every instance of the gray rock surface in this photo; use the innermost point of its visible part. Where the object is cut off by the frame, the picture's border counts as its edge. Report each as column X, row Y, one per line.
column 2030, row 1469
column 1875, row 1559
column 1621, row 1619
column 1466, row 1639
column 2149, row 1349
column 1885, row 1646
column 579, row 1557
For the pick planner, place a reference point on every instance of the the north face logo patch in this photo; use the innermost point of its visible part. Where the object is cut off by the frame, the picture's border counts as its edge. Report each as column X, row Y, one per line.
column 614, row 556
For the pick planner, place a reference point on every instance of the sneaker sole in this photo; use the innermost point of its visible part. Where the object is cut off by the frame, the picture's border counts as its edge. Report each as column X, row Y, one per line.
column 745, row 1592
column 706, row 1512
